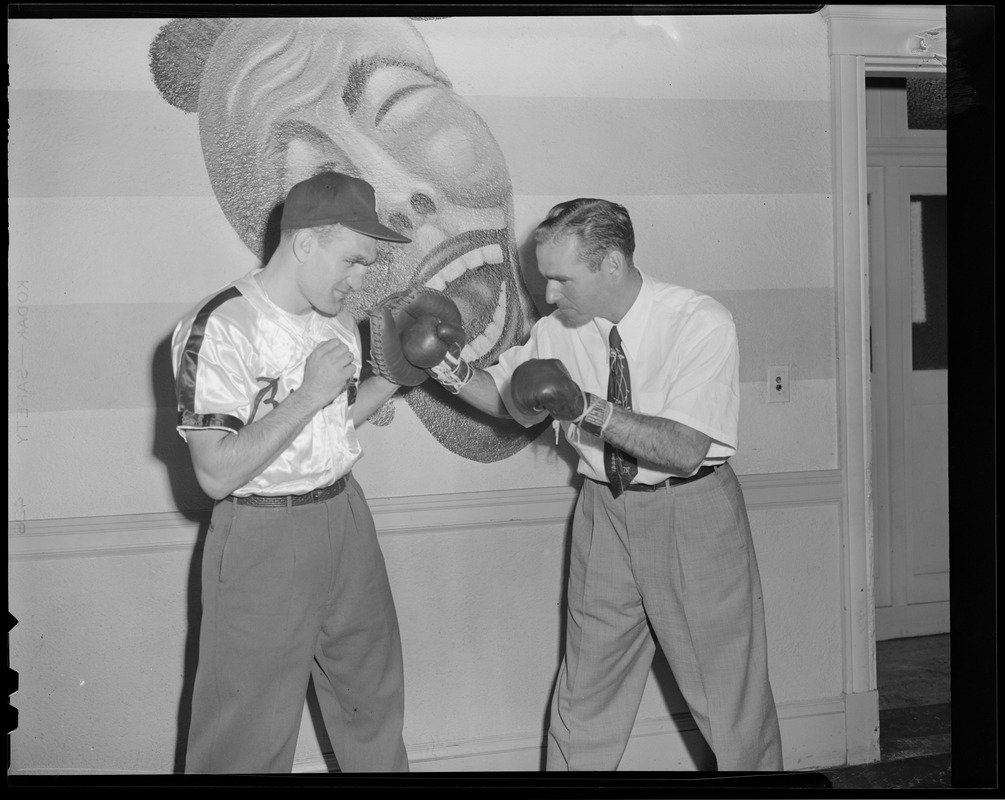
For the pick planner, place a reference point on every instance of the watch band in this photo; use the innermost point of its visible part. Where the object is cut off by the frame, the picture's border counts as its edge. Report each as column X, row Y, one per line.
column 598, row 414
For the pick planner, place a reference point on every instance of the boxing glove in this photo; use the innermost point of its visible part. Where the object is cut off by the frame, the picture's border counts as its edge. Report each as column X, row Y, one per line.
column 417, row 333
column 427, row 341
column 546, row 385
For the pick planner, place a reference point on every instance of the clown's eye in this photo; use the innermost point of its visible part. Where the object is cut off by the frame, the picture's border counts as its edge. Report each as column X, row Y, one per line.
column 389, row 91
column 397, row 94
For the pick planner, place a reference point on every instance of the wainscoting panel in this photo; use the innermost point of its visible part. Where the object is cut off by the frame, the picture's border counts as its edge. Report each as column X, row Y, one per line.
column 478, row 580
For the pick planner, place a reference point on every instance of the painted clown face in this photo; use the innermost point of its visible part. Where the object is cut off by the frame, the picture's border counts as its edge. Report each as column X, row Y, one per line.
column 283, row 99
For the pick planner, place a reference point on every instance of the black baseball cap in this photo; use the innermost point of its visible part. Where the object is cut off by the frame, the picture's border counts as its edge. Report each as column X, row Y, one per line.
column 331, row 197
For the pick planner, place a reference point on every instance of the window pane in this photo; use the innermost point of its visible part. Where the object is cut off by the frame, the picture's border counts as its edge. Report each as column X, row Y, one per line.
column 929, row 282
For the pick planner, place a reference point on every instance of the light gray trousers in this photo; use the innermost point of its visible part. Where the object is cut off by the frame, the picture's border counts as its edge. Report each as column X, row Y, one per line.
column 682, row 560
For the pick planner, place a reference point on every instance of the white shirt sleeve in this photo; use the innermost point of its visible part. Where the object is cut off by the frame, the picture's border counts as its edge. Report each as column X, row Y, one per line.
column 703, row 392
column 222, row 388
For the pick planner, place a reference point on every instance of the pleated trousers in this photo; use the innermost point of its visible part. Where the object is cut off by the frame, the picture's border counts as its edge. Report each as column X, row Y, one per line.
column 289, row 593
column 680, row 559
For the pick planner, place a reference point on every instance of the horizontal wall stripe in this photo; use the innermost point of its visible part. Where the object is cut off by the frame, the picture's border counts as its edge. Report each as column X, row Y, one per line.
column 719, row 241
column 102, row 144
column 774, row 437
column 576, row 146
column 123, row 461
column 97, row 356
column 783, row 326
column 174, row 250
column 69, row 464
column 116, row 355
column 409, row 516
column 81, row 54
column 182, row 248
column 769, row 56
column 85, row 144
column 799, row 435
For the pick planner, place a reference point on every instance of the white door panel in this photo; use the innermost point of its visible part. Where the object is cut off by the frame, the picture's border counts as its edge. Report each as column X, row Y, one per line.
column 907, row 193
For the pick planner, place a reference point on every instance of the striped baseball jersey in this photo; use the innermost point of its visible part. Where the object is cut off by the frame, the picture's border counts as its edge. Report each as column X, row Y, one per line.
column 237, row 355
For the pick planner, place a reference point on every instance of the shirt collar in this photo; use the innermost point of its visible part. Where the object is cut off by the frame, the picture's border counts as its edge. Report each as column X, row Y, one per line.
column 633, row 324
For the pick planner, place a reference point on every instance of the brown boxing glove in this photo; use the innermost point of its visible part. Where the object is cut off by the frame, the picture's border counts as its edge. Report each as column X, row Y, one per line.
column 416, row 334
column 544, row 384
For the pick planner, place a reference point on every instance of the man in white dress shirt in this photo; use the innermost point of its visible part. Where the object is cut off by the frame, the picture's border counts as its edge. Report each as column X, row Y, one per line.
column 643, row 376
column 293, row 581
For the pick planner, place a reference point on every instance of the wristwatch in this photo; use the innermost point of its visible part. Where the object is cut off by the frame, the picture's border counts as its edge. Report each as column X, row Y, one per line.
column 598, row 414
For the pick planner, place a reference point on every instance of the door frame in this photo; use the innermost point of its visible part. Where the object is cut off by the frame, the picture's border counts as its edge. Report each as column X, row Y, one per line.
column 864, row 41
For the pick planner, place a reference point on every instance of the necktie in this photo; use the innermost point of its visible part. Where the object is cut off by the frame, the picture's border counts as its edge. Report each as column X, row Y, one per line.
column 621, row 467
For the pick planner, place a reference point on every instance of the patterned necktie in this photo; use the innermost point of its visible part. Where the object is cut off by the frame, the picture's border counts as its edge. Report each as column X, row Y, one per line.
column 621, row 467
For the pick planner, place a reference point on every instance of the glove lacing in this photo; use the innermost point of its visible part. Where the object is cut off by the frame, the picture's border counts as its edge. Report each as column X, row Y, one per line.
column 454, row 373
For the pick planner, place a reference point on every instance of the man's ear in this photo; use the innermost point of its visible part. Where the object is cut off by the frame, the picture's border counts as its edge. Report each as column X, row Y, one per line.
column 614, row 263
column 303, row 244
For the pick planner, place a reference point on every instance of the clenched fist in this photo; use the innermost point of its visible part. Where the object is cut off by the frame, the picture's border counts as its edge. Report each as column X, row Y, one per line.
column 544, row 384
column 328, row 371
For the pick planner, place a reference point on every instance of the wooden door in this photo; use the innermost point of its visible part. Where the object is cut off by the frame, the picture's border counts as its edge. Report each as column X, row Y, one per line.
column 908, row 266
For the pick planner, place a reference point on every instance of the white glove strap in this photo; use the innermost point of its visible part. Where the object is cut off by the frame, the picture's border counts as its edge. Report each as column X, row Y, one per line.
column 453, row 372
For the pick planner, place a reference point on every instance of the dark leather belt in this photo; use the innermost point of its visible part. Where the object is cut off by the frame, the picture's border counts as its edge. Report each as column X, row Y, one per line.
column 645, row 487
column 287, row 500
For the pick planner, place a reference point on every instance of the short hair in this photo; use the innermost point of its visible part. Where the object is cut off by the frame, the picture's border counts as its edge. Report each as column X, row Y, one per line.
column 323, row 233
column 600, row 226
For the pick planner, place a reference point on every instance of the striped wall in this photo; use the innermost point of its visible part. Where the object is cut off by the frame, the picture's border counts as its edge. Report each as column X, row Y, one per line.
column 712, row 130
column 115, row 230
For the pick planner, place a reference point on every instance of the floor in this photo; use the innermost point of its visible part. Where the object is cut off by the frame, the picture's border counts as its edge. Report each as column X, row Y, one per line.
column 915, row 736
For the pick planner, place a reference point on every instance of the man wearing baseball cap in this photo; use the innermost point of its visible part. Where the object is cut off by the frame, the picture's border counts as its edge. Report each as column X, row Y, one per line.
column 293, row 581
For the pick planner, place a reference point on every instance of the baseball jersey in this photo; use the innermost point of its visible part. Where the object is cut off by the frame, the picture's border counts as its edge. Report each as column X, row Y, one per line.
column 236, row 356
column 683, row 359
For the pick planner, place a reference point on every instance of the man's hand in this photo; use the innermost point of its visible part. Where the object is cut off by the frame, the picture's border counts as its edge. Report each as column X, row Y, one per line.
column 327, row 372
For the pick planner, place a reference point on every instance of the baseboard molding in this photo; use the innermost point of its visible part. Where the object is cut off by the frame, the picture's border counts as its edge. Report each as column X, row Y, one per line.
column 813, row 737
column 394, row 516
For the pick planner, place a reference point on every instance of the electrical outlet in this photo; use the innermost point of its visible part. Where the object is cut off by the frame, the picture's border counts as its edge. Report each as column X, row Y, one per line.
column 778, row 384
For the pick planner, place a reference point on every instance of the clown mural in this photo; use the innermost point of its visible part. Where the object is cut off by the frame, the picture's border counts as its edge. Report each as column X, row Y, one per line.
column 279, row 100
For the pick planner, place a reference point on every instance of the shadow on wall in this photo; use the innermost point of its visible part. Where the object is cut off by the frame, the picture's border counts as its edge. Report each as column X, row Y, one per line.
column 168, row 447
column 196, row 506
column 191, row 654
column 535, row 282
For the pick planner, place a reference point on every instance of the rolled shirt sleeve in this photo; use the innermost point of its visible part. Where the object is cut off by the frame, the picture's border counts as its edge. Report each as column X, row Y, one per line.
column 702, row 391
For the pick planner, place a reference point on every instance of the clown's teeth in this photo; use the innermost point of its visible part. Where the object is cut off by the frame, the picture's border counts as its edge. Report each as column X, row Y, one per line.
column 490, row 254
column 484, row 342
